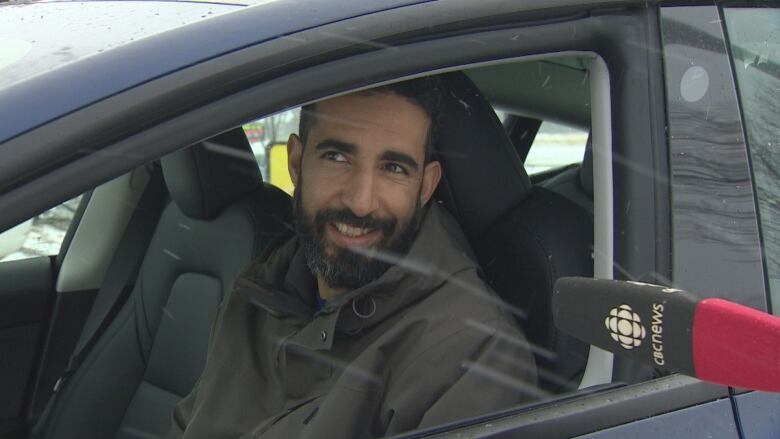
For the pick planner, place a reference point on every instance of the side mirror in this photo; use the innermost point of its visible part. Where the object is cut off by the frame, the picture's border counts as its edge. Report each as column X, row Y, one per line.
column 711, row 339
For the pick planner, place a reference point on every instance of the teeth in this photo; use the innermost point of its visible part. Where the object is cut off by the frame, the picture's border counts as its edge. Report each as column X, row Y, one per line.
column 351, row 231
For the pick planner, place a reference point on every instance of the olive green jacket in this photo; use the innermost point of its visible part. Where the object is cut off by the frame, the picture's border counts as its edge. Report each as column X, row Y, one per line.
column 426, row 343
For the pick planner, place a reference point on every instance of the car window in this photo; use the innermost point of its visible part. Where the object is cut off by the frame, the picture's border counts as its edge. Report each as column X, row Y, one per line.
column 268, row 137
column 554, row 146
column 41, row 235
column 754, row 36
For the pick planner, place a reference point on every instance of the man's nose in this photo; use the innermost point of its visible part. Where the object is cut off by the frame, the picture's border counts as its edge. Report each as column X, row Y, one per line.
column 359, row 195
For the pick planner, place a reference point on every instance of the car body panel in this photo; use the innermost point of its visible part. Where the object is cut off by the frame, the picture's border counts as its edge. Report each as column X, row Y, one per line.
column 592, row 410
column 759, row 414
column 712, row 420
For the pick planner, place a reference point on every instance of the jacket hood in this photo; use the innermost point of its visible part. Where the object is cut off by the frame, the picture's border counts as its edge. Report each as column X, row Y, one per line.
column 439, row 251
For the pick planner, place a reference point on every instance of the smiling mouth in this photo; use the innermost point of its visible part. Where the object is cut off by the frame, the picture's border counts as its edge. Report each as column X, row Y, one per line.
column 350, row 231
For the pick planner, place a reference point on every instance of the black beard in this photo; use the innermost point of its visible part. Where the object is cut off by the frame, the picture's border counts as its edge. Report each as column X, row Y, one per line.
column 346, row 268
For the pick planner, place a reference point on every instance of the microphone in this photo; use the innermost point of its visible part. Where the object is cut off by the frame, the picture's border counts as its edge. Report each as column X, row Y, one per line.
column 711, row 339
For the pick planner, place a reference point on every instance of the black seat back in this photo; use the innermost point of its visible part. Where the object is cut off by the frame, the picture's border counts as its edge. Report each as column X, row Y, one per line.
column 576, row 182
column 542, row 239
column 152, row 353
column 524, row 237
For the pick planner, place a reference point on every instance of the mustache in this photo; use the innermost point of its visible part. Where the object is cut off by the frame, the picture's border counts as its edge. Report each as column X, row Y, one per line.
column 345, row 216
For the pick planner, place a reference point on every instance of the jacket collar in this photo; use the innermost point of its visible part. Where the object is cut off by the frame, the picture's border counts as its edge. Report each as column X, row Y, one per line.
column 281, row 283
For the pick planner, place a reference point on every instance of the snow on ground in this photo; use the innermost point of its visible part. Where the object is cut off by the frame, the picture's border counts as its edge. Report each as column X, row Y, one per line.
column 43, row 236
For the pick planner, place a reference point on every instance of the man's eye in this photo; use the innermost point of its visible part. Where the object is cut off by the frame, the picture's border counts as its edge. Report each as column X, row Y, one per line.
column 396, row 168
column 334, row 156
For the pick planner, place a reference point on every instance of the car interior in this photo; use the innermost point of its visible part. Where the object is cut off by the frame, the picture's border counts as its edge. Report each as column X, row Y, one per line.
column 119, row 366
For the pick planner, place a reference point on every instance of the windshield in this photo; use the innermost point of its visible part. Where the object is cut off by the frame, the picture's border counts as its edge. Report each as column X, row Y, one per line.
column 42, row 37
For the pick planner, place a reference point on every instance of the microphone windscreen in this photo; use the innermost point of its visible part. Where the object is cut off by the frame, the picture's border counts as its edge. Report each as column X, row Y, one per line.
column 647, row 323
column 736, row 345
column 711, row 339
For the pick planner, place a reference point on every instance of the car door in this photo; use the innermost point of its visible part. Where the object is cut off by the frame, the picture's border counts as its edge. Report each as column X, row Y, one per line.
column 716, row 239
column 633, row 184
column 49, row 282
column 29, row 263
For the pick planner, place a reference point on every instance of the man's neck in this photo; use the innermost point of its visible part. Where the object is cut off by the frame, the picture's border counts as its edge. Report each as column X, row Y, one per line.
column 326, row 292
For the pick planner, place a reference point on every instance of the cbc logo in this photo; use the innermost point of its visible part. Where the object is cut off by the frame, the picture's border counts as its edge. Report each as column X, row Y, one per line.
column 625, row 327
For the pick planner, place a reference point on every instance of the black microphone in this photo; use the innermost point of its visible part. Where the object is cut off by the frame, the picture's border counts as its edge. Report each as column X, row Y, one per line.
column 710, row 339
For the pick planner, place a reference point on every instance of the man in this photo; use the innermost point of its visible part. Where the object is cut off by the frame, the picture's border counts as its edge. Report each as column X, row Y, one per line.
column 370, row 321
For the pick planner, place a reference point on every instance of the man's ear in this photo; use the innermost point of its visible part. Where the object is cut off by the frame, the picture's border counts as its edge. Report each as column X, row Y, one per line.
column 294, row 154
column 431, row 177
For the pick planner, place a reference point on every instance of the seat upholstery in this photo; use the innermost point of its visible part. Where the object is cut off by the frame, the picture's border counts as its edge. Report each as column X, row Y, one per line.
column 524, row 237
column 151, row 355
column 483, row 175
column 575, row 183
column 523, row 253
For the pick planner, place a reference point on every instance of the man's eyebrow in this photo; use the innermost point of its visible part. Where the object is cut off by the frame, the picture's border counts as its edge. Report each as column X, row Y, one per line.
column 346, row 148
column 395, row 156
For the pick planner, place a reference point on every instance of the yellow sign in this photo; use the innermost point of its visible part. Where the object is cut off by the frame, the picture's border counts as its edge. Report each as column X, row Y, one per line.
column 279, row 174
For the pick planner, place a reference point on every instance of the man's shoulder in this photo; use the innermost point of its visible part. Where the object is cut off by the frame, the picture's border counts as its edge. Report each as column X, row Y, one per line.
column 461, row 295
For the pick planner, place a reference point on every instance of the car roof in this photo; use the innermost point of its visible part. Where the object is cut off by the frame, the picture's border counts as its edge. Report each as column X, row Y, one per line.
column 52, row 74
column 63, row 58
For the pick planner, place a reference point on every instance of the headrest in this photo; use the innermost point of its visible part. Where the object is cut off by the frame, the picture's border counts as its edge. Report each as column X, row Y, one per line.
column 207, row 177
column 586, row 170
column 483, row 176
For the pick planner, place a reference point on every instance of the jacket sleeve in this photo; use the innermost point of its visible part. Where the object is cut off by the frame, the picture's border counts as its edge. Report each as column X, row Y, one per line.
column 482, row 368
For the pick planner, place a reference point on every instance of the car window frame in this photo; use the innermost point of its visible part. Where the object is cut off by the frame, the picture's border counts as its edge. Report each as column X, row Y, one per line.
column 136, row 144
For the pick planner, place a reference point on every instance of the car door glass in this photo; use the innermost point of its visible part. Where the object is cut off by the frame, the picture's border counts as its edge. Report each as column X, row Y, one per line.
column 555, row 146
column 41, row 235
column 754, row 36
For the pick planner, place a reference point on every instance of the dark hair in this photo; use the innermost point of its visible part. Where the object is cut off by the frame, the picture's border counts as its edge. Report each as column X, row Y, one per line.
column 424, row 92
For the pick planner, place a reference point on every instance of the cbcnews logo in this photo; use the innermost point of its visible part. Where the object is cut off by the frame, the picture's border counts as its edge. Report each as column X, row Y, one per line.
column 625, row 327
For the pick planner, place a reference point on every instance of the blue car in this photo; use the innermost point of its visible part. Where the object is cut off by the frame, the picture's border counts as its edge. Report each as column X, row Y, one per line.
column 616, row 139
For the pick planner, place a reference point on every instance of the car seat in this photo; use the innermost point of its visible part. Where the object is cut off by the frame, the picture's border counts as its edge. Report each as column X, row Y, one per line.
column 152, row 353
column 524, row 237
column 575, row 183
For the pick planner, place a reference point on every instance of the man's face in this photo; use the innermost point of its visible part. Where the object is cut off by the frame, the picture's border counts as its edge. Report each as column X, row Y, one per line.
column 361, row 182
